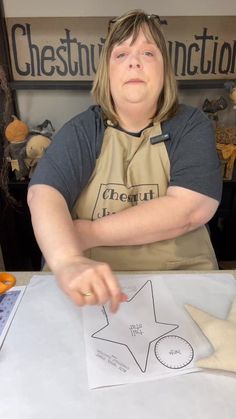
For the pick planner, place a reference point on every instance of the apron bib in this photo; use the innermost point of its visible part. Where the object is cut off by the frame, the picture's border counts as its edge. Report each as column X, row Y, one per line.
column 128, row 172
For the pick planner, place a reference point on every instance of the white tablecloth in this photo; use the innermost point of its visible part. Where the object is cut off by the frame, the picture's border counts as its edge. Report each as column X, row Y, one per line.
column 43, row 370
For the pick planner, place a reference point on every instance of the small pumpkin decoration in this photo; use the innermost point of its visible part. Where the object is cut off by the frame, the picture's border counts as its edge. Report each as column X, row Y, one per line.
column 16, row 130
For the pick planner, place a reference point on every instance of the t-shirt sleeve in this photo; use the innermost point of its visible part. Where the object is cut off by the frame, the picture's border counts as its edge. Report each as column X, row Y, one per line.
column 194, row 162
column 70, row 159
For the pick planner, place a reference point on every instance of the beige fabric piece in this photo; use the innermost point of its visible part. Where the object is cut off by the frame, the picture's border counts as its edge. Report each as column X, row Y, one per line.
column 128, row 172
column 221, row 334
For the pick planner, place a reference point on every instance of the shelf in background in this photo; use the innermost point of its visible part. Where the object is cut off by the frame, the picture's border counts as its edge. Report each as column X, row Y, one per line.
column 87, row 85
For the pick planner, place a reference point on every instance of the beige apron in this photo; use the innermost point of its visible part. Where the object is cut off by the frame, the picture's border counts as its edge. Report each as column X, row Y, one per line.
column 128, row 172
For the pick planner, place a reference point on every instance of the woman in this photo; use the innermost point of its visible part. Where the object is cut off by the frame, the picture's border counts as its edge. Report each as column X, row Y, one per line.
column 139, row 173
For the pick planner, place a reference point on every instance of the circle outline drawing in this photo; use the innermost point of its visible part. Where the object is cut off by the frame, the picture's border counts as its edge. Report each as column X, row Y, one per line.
column 164, row 358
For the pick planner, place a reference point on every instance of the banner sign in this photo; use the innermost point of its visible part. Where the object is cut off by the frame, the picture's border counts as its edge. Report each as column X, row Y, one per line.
column 68, row 49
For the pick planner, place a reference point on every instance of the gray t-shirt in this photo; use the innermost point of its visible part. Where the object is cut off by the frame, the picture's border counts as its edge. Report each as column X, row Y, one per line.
column 70, row 160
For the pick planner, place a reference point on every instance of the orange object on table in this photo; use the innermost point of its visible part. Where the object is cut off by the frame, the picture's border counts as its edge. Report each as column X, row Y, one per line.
column 7, row 281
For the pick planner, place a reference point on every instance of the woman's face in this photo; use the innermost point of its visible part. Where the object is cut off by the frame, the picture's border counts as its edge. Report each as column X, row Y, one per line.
column 136, row 73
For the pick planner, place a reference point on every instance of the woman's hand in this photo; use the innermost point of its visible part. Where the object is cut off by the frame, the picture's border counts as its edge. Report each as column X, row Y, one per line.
column 88, row 282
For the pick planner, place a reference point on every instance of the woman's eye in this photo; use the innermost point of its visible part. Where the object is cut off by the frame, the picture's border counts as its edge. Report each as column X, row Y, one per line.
column 148, row 53
column 120, row 55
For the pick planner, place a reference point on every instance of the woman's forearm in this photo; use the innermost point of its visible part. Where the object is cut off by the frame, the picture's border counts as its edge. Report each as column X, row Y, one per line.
column 53, row 226
column 159, row 219
column 85, row 281
column 140, row 225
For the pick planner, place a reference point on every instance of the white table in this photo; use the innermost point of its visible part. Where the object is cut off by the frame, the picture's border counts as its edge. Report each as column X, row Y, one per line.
column 34, row 385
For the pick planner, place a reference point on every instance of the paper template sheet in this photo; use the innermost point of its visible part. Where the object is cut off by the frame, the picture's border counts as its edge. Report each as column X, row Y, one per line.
column 151, row 336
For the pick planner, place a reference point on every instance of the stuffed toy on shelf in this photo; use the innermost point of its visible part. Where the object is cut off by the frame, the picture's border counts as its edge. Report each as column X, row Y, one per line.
column 35, row 148
column 230, row 87
column 24, row 148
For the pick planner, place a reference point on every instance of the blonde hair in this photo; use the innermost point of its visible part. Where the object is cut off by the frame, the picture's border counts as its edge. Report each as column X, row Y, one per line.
column 123, row 27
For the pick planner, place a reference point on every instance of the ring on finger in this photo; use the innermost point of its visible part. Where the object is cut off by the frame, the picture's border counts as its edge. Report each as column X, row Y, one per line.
column 87, row 293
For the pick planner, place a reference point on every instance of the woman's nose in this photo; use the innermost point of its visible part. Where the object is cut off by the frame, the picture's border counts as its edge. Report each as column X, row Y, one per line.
column 134, row 62
column 137, row 65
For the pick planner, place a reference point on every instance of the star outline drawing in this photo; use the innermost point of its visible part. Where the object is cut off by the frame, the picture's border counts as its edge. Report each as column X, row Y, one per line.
column 130, row 300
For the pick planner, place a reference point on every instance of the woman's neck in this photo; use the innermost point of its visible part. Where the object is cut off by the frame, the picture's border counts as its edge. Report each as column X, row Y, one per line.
column 133, row 119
